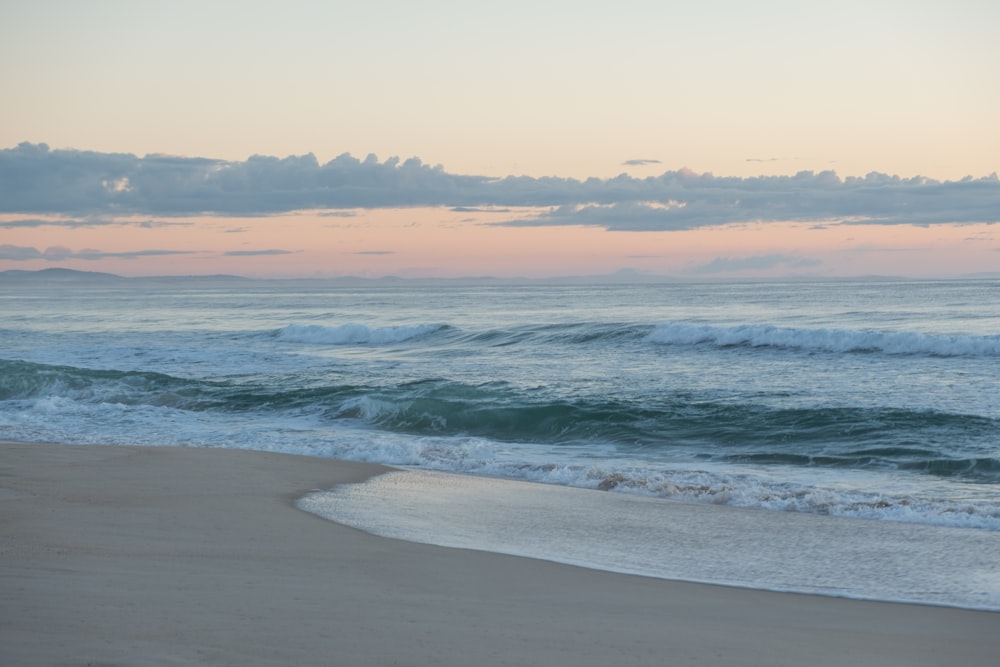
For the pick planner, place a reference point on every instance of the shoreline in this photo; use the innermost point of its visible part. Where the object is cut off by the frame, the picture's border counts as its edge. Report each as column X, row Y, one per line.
column 740, row 547
column 165, row 555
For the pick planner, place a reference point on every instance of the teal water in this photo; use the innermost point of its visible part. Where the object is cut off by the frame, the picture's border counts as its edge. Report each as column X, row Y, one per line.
column 884, row 392
column 872, row 400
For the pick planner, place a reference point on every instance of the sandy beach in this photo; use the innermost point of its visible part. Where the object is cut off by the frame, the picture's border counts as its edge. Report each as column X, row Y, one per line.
column 173, row 556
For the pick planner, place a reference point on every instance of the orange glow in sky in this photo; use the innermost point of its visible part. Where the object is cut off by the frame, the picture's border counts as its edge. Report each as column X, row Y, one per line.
column 443, row 243
column 546, row 89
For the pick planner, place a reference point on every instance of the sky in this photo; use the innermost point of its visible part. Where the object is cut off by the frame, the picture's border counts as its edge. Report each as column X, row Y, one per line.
column 709, row 140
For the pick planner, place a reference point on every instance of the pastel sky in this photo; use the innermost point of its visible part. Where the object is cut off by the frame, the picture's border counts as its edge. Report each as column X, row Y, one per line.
column 716, row 139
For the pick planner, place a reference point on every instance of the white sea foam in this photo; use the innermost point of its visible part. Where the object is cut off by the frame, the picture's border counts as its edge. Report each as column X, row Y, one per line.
column 827, row 340
column 353, row 333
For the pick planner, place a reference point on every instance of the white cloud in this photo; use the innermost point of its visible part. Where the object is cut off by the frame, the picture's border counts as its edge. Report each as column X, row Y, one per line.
column 36, row 180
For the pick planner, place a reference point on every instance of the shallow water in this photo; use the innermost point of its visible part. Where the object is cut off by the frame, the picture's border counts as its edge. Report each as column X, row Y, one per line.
column 781, row 551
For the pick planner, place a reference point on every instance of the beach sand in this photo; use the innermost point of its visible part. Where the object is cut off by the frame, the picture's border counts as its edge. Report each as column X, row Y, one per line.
column 175, row 556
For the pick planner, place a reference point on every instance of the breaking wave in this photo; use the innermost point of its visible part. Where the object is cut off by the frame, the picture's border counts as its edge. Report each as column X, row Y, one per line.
column 827, row 340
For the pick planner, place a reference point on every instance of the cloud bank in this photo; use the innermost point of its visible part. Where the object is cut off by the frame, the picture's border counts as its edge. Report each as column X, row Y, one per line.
column 60, row 253
column 85, row 185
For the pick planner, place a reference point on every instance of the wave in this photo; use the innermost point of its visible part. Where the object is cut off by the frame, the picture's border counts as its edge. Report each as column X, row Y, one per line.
column 842, row 438
column 353, row 334
column 21, row 380
column 679, row 448
column 827, row 340
column 669, row 333
column 24, row 381
column 934, row 443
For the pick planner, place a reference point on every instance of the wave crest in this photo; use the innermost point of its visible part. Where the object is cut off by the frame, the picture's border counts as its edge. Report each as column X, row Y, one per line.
column 353, row 333
column 827, row 340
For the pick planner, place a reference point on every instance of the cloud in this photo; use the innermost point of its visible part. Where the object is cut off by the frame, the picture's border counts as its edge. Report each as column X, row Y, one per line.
column 755, row 263
column 628, row 216
column 337, row 214
column 18, row 253
column 36, row 180
column 60, row 253
column 153, row 224
column 134, row 254
column 685, row 200
column 26, row 222
column 375, row 252
column 72, row 223
column 258, row 253
column 640, row 162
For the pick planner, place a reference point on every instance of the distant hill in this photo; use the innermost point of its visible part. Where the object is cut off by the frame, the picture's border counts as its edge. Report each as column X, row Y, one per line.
column 56, row 275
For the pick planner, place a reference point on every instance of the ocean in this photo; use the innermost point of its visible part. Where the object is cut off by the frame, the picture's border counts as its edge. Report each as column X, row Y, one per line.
column 840, row 438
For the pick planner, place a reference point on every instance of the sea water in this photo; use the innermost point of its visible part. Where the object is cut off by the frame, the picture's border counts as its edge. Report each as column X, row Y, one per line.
column 849, row 430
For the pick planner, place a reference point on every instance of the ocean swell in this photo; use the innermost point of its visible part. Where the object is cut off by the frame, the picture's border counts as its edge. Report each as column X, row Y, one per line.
column 826, row 340
column 353, row 333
